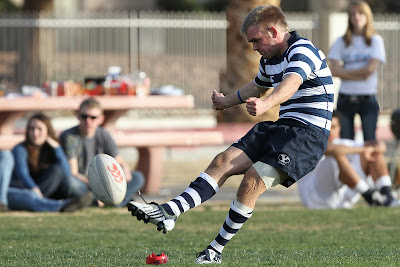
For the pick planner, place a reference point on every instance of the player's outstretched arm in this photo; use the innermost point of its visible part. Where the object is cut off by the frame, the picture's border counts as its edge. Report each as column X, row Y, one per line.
column 221, row 101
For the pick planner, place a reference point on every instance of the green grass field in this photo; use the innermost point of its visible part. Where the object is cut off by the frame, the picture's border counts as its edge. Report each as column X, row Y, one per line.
column 274, row 236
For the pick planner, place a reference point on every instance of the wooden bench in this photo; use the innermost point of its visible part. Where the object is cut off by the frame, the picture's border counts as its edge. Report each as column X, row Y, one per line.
column 151, row 147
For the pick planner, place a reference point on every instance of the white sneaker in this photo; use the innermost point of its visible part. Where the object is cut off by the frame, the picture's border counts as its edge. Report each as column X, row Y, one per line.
column 154, row 214
column 208, row 256
column 394, row 203
column 391, row 201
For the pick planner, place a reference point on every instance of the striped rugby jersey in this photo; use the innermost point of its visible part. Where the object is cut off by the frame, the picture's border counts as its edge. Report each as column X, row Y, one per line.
column 313, row 101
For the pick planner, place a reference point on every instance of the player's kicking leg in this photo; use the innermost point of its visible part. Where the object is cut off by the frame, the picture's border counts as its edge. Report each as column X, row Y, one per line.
column 203, row 188
column 165, row 215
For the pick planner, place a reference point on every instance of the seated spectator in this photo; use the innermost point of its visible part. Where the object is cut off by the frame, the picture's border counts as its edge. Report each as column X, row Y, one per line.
column 82, row 142
column 341, row 176
column 40, row 162
column 12, row 198
column 6, row 168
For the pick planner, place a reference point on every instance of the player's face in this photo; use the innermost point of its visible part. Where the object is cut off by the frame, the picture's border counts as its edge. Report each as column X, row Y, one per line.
column 357, row 18
column 90, row 119
column 37, row 132
column 262, row 41
column 335, row 129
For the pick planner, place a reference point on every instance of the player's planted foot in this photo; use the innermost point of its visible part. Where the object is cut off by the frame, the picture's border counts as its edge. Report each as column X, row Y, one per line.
column 208, row 256
column 154, row 214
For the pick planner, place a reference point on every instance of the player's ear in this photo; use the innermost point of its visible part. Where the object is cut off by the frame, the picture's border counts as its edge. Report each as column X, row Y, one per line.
column 274, row 31
column 101, row 118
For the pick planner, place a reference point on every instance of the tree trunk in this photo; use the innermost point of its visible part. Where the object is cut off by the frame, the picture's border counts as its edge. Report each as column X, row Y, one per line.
column 29, row 58
column 242, row 61
column 38, row 5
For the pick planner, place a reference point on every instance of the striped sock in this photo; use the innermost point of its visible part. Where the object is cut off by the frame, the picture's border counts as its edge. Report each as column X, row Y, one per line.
column 237, row 216
column 202, row 189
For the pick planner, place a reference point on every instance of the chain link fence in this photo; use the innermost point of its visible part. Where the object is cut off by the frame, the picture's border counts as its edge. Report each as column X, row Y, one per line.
column 183, row 49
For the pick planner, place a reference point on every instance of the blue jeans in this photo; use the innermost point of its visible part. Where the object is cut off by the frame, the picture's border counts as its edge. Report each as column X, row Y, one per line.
column 78, row 188
column 368, row 109
column 53, row 183
column 19, row 198
column 25, row 199
column 6, row 169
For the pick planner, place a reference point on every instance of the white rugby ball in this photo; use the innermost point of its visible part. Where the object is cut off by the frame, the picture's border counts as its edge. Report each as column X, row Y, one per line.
column 107, row 180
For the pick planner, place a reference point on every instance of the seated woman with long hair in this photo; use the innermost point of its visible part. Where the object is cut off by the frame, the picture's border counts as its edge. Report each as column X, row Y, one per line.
column 40, row 166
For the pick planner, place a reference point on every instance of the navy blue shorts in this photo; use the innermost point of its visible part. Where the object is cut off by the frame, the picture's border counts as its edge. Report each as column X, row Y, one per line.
column 286, row 144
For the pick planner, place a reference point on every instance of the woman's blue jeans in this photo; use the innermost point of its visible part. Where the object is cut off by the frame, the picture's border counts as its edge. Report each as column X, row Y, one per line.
column 26, row 199
column 6, row 169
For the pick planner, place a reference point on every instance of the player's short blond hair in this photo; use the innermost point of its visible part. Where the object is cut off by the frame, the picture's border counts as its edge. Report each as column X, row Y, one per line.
column 91, row 103
column 263, row 17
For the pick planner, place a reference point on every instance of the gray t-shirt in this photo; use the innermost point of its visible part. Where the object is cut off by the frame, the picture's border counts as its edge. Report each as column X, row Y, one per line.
column 84, row 149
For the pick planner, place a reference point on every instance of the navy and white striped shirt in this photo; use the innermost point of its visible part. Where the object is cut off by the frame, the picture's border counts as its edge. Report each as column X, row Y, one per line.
column 313, row 101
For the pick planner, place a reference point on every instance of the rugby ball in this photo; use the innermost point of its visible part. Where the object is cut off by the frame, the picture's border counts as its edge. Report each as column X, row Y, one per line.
column 107, row 179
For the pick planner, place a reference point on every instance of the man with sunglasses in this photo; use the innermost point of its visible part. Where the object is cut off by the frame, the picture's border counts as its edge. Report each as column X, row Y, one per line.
column 82, row 142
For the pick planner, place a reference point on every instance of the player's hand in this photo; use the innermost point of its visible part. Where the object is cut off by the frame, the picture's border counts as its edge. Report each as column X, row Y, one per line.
column 127, row 171
column 374, row 150
column 370, row 153
column 100, row 204
column 380, row 147
column 84, row 179
column 255, row 106
column 37, row 191
column 53, row 143
column 128, row 174
column 217, row 100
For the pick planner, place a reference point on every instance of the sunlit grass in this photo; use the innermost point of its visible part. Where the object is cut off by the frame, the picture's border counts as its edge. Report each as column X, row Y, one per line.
column 272, row 237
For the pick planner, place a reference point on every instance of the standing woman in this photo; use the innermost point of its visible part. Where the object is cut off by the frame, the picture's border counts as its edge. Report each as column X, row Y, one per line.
column 40, row 163
column 354, row 58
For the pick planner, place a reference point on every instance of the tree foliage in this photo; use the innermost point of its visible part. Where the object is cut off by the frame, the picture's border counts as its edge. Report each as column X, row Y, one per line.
column 6, row 5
